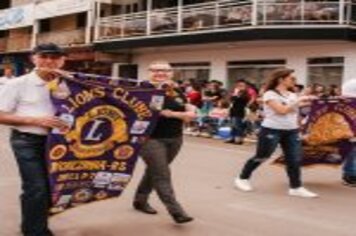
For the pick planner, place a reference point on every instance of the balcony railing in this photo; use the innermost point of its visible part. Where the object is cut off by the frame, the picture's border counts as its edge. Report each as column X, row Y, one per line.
column 63, row 38
column 217, row 15
column 19, row 43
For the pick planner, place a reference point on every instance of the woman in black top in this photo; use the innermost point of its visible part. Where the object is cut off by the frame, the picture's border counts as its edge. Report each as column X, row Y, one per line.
column 163, row 146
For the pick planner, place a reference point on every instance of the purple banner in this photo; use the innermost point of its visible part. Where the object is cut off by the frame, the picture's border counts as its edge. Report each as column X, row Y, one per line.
column 94, row 159
column 327, row 131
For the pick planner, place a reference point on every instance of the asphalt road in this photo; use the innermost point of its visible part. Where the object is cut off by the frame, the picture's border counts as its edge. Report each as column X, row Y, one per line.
column 203, row 174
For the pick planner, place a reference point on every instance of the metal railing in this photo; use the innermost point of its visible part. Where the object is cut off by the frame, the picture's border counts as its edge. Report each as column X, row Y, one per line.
column 215, row 15
column 300, row 12
column 63, row 38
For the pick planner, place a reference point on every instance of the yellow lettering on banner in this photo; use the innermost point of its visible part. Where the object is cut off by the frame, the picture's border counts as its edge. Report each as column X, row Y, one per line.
column 118, row 166
column 139, row 107
column 64, row 166
column 87, row 176
column 68, row 177
column 85, row 97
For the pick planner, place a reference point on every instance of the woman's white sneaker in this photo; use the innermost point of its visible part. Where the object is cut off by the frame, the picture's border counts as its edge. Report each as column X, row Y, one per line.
column 302, row 192
column 243, row 184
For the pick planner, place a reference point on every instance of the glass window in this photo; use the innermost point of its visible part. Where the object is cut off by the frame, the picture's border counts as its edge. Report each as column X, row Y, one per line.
column 135, row 7
column 45, row 25
column 326, row 70
column 254, row 71
column 81, row 20
column 128, row 9
column 4, row 4
column 4, row 33
column 199, row 71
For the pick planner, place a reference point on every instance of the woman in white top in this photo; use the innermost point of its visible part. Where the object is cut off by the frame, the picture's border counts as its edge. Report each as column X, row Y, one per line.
column 280, row 126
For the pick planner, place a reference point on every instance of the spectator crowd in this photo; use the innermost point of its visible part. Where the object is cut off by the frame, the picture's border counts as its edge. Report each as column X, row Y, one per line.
column 235, row 115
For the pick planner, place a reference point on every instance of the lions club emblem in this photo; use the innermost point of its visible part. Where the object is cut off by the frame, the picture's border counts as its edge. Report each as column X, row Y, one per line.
column 97, row 131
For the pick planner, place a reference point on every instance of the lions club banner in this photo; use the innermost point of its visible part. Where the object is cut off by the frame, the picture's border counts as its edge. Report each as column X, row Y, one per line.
column 327, row 132
column 93, row 159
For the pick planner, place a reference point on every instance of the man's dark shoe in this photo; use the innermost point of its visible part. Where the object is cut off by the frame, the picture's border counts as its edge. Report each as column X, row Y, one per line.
column 144, row 207
column 182, row 218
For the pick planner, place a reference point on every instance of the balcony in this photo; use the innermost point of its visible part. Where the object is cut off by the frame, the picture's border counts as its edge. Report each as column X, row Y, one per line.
column 230, row 15
column 63, row 38
column 18, row 43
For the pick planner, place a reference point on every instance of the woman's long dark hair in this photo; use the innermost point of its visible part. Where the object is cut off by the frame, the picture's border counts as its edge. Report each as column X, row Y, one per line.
column 275, row 77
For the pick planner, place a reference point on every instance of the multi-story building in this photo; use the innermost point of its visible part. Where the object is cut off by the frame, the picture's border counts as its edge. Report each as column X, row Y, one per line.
column 231, row 39
column 203, row 39
column 69, row 23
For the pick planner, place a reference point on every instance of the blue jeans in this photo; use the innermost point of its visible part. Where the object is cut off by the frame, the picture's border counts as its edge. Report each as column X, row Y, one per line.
column 207, row 107
column 268, row 140
column 29, row 150
column 238, row 127
column 349, row 168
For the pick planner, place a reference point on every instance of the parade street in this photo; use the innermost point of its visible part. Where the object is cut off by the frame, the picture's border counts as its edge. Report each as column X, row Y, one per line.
column 203, row 178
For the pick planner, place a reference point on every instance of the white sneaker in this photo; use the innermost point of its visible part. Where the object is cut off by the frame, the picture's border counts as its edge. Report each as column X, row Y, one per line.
column 302, row 192
column 243, row 184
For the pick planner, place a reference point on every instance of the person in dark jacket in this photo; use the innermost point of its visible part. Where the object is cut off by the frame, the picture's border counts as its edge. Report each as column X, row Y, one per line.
column 163, row 146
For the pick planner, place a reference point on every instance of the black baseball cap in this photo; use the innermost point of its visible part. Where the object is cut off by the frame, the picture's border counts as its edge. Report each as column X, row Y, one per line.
column 48, row 48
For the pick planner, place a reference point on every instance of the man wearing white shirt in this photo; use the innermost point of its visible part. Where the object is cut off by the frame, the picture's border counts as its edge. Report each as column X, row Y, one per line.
column 349, row 168
column 25, row 105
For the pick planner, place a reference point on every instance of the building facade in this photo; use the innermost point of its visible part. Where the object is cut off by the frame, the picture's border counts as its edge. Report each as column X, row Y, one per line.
column 203, row 39
column 228, row 40
column 68, row 23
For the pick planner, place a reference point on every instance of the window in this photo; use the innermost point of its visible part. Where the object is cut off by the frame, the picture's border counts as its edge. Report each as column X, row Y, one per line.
column 81, row 20
column 4, row 4
column 254, row 71
column 198, row 71
column 325, row 70
column 128, row 9
column 4, row 33
column 353, row 13
column 45, row 26
column 135, row 7
column 116, row 10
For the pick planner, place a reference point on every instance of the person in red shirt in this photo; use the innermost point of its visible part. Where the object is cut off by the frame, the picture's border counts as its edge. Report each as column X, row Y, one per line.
column 194, row 96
